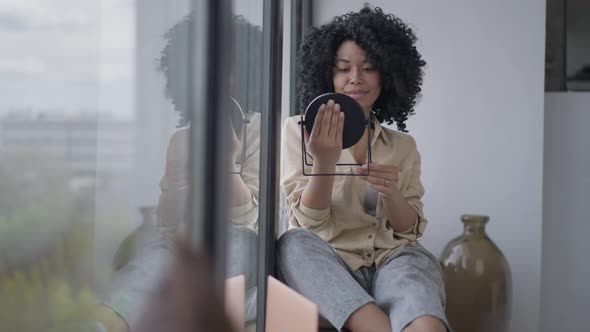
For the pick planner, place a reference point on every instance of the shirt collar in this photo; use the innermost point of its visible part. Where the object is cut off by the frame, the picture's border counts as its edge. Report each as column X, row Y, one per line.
column 379, row 131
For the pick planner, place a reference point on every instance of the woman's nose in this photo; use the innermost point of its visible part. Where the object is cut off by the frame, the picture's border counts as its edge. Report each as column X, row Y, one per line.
column 355, row 76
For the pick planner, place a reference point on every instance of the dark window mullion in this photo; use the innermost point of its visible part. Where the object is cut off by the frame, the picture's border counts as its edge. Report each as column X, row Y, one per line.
column 209, row 64
column 269, row 153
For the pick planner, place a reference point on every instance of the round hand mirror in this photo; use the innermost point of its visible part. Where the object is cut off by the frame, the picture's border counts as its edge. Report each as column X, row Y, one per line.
column 354, row 117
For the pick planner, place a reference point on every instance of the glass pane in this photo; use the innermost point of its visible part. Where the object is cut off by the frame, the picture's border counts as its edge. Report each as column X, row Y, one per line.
column 94, row 155
column 246, row 101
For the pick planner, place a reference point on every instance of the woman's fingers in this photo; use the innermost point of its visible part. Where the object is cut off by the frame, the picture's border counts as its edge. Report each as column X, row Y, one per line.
column 384, row 183
column 381, row 168
column 327, row 120
column 317, row 123
column 381, row 181
column 334, row 124
column 380, row 175
column 340, row 129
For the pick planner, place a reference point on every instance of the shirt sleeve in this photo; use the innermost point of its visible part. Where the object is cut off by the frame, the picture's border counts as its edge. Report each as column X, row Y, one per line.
column 175, row 184
column 293, row 181
column 413, row 190
column 247, row 214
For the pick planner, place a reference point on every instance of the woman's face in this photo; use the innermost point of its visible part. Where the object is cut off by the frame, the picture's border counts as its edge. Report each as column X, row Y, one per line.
column 356, row 77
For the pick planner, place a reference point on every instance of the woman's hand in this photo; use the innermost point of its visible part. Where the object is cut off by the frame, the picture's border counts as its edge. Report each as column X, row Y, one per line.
column 383, row 178
column 401, row 216
column 324, row 143
column 235, row 147
column 240, row 193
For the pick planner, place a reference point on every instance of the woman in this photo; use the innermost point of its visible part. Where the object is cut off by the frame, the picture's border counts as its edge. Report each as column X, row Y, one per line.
column 353, row 246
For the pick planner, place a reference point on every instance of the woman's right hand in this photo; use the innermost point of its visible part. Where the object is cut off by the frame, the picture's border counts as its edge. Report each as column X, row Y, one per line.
column 324, row 143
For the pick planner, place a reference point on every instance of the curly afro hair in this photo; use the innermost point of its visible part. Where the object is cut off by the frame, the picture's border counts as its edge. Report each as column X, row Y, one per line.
column 246, row 63
column 389, row 45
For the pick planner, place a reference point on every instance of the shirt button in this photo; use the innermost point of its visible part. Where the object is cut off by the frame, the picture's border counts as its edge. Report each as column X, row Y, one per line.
column 370, row 236
column 374, row 224
column 369, row 255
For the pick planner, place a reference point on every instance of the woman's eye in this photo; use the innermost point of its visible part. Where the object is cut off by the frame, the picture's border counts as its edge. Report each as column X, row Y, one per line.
column 369, row 68
column 343, row 70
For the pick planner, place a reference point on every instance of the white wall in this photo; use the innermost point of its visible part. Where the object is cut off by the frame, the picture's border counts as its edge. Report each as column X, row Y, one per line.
column 479, row 125
column 566, row 217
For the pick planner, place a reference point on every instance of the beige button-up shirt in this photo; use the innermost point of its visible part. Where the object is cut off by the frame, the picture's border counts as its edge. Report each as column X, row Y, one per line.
column 359, row 238
column 175, row 184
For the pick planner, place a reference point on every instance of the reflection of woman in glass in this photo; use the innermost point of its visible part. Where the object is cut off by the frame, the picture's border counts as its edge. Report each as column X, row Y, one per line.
column 174, row 63
column 136, row 283
column 353, row 248
column 245, row 96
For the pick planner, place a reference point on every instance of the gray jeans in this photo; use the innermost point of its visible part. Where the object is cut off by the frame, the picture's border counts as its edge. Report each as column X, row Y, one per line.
column 242, row 259
column 409, row 284
column 136, row 282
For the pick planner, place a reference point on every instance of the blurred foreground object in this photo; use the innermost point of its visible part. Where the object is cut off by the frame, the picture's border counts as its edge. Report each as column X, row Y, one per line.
column 289, row 311
column 186, row 300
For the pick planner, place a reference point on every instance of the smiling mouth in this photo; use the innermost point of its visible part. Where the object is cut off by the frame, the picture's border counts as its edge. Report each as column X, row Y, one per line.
column 356, row 94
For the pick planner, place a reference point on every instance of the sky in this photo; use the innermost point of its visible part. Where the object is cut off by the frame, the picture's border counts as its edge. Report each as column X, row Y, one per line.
column 67, row 55
column 72, row 55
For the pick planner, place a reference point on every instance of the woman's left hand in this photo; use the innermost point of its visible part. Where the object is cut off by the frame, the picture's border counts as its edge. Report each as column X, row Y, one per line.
column 382, row 177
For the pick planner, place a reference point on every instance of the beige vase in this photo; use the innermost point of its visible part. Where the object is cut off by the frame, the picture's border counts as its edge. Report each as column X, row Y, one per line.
column 477, row 280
